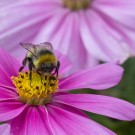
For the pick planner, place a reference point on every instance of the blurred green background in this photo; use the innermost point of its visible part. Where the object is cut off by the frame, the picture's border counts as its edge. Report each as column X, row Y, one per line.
column 125, row 90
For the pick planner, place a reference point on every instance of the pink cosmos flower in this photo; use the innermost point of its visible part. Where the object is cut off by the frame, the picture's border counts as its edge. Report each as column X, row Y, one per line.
column 24, row 107
column 103, row 28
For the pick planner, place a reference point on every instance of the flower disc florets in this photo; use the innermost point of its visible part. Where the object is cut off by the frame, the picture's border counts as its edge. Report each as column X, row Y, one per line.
column 37, row 91
column 76, row 4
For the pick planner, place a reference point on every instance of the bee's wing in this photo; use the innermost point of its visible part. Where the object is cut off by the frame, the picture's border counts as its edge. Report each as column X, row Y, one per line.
column 47, row 45
column 30, row 47
column 33, row 48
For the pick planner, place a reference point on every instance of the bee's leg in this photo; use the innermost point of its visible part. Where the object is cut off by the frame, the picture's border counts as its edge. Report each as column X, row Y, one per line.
column 54, row 71
column 57, row 69
column 23, row 64
column 40, row 76
column 30, row 69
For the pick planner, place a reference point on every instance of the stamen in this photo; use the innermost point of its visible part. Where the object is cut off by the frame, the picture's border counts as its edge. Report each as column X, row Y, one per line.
column 37, row 91
column 77, row 4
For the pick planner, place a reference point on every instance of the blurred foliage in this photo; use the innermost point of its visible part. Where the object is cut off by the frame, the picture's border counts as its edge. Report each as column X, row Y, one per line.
column 125, row 90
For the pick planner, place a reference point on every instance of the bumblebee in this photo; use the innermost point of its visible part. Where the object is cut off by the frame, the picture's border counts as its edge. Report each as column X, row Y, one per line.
column 40, row 58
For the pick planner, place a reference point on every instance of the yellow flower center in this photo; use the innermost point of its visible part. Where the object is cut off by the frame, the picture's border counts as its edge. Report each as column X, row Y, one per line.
column 37, row 91
column 76, row 4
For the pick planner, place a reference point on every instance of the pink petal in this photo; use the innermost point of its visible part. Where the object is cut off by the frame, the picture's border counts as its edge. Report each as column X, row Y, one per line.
column 10, row 109
column 69, row 121
column 101, row 77
column 116, row 26
column 4, row 3
column 31, row 122
column 8, row 67
column 5, row 129
column 7, row 93
column 104, row 105
column 65, row 63
column 26, row 26
column 5, row 77
column 91, row 29
column 114, row 10
column 9, row 88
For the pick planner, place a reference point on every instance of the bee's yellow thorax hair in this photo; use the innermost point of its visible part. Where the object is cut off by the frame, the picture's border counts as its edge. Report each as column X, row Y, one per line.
column 45, row 58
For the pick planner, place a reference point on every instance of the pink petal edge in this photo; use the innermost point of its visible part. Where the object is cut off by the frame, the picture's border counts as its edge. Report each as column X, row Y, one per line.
column 104, row 105
column 10, row 108
column 100, row 77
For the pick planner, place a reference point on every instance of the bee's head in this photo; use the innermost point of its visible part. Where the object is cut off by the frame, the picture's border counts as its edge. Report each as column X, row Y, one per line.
column 46, row 67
